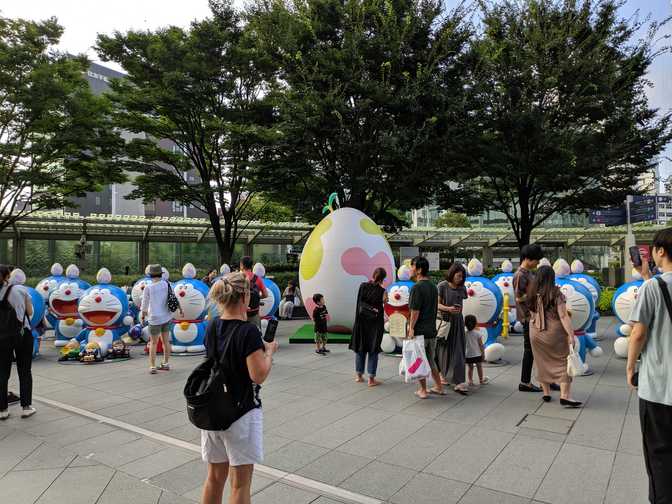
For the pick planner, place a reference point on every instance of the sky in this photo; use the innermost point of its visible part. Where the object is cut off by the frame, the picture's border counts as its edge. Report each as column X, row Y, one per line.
column 84, row 19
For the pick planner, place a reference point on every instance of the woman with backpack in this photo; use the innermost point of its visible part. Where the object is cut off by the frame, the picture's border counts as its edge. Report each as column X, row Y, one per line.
column 16, row 341
column 155, row 311
column 238, row 343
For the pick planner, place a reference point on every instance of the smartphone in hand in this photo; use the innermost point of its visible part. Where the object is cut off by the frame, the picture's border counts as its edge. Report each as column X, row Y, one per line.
column 635, row 256
column 269, row 334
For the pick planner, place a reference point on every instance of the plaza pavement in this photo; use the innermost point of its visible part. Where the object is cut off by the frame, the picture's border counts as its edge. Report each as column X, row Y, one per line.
column 111, row 433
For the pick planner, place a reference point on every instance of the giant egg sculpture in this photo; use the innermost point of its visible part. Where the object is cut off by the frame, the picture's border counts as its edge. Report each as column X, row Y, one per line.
column 342, row 252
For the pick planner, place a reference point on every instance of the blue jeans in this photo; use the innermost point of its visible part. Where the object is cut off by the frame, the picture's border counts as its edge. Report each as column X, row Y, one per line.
column 360, row 360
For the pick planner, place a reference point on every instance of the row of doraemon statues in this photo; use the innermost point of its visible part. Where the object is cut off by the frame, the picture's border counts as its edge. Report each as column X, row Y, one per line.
column 485, row 300
column 102, row 313
column 621, row 305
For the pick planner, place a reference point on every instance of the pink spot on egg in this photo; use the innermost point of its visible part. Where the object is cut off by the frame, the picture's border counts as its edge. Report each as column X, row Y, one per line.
column 357, row 262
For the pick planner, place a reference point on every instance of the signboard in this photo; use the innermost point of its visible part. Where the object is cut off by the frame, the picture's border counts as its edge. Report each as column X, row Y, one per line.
column 433, row 259
column 613, row 216
column 643, row 208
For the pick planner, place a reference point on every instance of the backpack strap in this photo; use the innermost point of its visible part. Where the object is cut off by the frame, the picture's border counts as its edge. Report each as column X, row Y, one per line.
column 9, row 289
column 666, row 295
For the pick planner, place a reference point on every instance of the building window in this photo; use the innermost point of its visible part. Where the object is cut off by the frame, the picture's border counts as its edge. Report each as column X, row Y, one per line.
column 97, row 200
column 177, row 206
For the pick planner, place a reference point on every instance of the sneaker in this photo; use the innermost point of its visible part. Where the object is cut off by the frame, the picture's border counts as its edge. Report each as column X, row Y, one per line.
column 4, row 415
column 152, row 370
column 324, row 350
column 485, row 380
column 164, row 366
column 28, row 411
column 319, row 352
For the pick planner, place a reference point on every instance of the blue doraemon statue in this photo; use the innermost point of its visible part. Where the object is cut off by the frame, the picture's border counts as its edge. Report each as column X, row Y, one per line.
column 269, row 305
column 63, row 303
column 581, row 308
column 188, row 327
column 45, row 287
column 104, row 310
column 136, row 295
column 398, row 295
column 504, row 281
column 595, row 290
column 484, row 301
column 18, row 277
column 621, row 304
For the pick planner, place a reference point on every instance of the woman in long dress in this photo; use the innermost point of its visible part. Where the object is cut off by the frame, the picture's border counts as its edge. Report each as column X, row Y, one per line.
column 551, row 335
column 367, row 332
column 451, row 343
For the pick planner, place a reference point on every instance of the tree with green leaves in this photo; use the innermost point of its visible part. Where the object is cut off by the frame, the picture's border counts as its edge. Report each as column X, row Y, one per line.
column 56, row 141
column 556, row 117
column 199, row 96
column 452, row 220
column 365, row 91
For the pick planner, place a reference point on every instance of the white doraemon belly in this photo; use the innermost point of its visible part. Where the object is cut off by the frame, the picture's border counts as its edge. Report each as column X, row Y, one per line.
column 481, row 302
column 186, row 335
column 104, row 340
column 71, row 330
column 625, row 302
column 578, row 306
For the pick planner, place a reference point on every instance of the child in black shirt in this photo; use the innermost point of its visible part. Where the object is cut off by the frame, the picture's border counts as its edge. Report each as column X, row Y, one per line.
column 320, row 317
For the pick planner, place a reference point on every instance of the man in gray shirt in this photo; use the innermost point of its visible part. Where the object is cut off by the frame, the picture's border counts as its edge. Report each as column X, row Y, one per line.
column 651, row 341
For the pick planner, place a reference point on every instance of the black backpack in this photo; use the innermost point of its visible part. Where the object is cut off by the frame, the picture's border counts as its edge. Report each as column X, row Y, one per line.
column 255, row 295
column 10, row 327
column 210, row 403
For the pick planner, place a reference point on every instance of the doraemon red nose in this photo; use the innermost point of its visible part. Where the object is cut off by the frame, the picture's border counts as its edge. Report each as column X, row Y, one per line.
column 397, row 296
column 182, row 293
column 68, row 292
column 506, row 284
column 470, row 292
column 46, row 287
column 98, row 299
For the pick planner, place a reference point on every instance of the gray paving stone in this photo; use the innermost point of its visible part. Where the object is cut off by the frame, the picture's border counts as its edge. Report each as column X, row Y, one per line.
column 159, row 462
column 47, row 456
column 171, row 498
column 600, row 422
column 588, row 470
column 469, row 456
column 182, row 479
column 142, row 416
column 432, row 407
column 280, row 493
column 473, row 410
column 98, row 444
column 273, row 442
column 320, row 417
column 631, row 436
column 347, row 428
column 627, row 484
column 334, row 467
column 326, row 500
column 185, row 432
column 478, row 495
column 172, row 421
column 118, row 456
column 430, row 489
column 21, row 487
column 123, row 489
column 520, row 467
column 294, row 456
column 64, row 424
column 258, row 484
column 379, row 480
column 71, row 437
column 79, row 485
column 83, row 462
column 14, row 448
column 423, row 446
column 383, row 436
column 549, row 424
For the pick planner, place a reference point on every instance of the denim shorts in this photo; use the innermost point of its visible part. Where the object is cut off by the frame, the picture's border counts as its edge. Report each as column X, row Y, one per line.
column 156, row 330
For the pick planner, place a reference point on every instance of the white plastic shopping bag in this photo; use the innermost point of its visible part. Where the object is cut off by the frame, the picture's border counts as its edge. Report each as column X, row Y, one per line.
column 414, row 364
column 574, row 364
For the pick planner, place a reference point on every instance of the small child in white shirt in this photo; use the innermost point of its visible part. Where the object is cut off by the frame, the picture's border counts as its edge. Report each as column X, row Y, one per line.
column 474, row 352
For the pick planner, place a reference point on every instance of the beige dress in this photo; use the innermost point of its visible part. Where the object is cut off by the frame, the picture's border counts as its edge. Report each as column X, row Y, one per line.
column 549, row 343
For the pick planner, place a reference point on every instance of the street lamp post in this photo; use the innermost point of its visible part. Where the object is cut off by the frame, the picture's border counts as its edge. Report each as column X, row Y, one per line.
column 629, row 241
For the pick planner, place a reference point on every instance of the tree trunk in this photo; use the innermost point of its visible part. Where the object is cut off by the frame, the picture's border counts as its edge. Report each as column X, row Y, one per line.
column 223, row 250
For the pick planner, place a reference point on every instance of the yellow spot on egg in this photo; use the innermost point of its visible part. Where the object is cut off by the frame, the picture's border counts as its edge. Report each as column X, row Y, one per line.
column 313, row 251
column 370, row 227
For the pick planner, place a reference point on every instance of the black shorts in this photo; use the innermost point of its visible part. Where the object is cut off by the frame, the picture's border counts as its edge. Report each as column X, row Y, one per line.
column 474, row 360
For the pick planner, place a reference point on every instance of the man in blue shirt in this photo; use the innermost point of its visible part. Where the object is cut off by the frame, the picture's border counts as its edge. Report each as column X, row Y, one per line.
column 651, row 341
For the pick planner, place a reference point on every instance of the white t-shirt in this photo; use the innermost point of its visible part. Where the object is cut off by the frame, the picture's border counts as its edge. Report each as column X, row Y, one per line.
column 17, row 298
column 155, row 303
column 473, row 347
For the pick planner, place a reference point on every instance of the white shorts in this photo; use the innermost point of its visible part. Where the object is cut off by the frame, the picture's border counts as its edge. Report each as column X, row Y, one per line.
column 240, row 444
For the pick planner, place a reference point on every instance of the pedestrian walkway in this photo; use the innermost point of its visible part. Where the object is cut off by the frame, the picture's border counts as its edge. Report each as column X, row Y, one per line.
column 111, row 433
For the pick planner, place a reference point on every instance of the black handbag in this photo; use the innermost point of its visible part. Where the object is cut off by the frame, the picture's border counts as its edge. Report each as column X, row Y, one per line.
column 172, row 301
column 210, row 403
column 364, row 309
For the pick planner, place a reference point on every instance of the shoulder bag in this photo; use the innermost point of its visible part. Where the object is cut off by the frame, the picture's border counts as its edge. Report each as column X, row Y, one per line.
column 210, row 404
column 666, row 295
column 172, row 301
column 364, row 309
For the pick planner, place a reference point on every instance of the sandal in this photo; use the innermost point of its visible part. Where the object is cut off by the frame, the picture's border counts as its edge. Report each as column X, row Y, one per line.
column 436, row 391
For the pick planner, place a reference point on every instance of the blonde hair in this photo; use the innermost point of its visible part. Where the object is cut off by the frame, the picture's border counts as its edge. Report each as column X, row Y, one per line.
column 230, row 290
